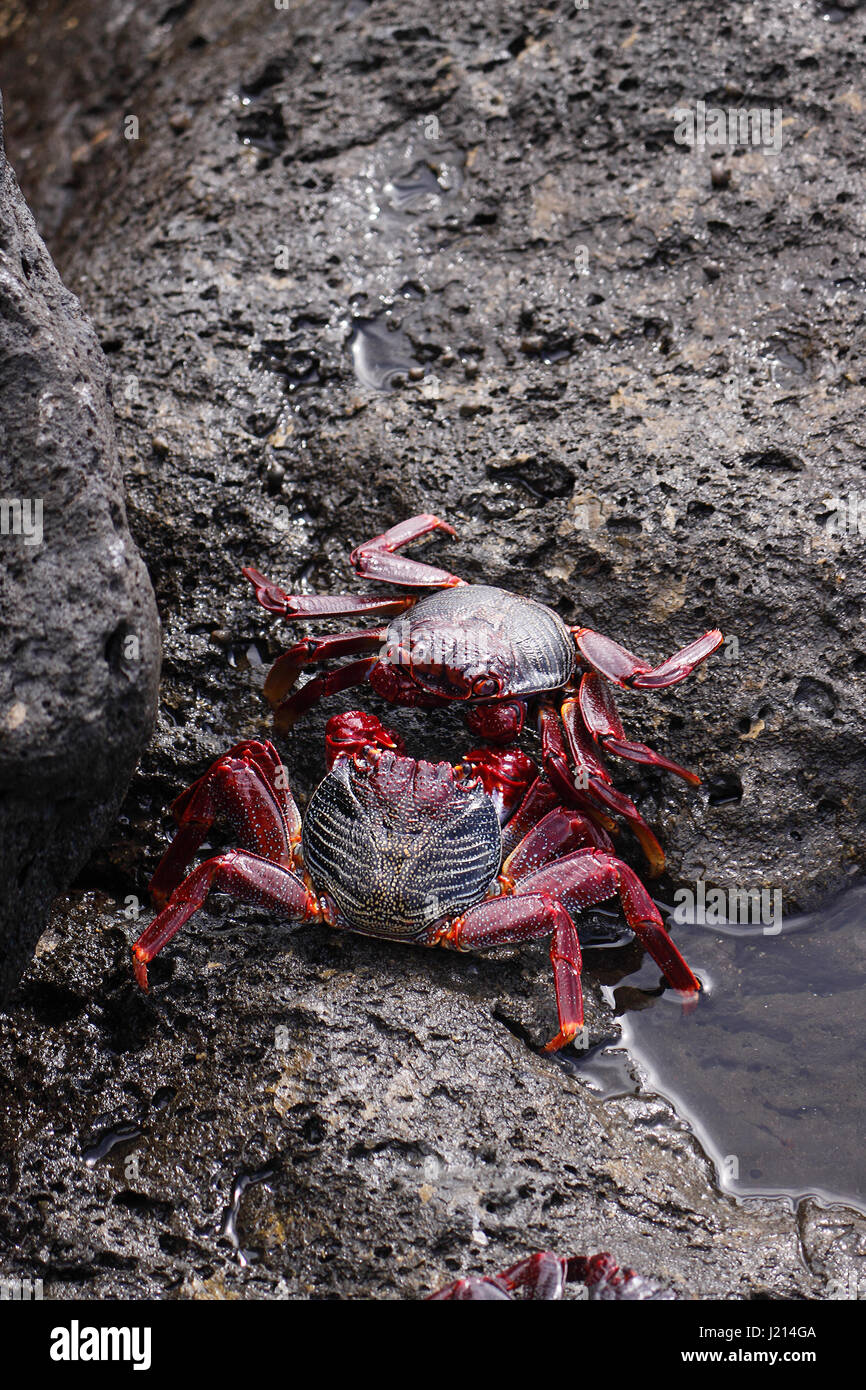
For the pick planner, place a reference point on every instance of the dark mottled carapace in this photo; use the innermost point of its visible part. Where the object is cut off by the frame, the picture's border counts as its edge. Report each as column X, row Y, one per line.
column 474, row 631
column 397, row 844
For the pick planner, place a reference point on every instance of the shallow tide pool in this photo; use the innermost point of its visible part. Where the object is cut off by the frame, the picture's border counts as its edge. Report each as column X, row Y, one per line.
column 769, row 1068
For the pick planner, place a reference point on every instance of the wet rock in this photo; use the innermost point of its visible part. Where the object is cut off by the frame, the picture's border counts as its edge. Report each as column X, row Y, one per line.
column 79, row 641
column 663, row 432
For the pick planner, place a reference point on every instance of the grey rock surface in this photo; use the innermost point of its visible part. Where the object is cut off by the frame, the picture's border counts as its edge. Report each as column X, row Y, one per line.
column 318, row 202
column 79, row 633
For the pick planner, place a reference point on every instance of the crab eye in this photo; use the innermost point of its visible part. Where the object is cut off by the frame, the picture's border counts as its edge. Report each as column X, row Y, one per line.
column 485, row 687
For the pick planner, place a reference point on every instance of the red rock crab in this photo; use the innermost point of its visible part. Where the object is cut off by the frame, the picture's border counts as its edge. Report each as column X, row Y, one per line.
column 543, row 1277
column 468, row 857
column 491, row 651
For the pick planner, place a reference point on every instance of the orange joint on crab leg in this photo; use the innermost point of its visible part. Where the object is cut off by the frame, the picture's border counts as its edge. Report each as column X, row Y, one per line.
column 448, row 935
column 325, row 909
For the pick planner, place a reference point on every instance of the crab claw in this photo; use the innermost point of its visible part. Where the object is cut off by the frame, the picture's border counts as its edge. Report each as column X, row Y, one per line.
column 623, row 668
column 353, row 731
column 499, row 723
column 505, row 774
column 269, row 595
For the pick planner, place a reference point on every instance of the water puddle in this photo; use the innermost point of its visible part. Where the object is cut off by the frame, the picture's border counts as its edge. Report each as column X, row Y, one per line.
column 770, row 1069
column 229, row 1224
column 381, row 356
column 420, row 182
column 415, row 187
column 108, row 1140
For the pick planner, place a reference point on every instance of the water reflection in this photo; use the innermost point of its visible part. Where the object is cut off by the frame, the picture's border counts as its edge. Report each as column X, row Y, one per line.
column 769, row 1070
column 381, row 357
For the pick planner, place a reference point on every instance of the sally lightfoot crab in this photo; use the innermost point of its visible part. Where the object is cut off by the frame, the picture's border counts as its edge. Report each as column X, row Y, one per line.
column 468, row 857
column 491, row 651
column 544, row 1276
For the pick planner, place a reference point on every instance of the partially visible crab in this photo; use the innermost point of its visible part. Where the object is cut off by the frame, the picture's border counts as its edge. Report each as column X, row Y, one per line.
column 467, row 857
column 544, row 1277
column 491, row 651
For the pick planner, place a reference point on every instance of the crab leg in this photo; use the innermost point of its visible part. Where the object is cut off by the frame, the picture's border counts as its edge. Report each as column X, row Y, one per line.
column 591, row 784
column 539, row 799
column 249, row 878
column 590, row 876
column 289, row 710
column 242, row 788
column 375, row 559
column 311, row 650
column 543, row 1276
column 623, row 668
column 602, row 719
column 556, row 834
column 597, row 778
column 275, row 600
column 524, row 917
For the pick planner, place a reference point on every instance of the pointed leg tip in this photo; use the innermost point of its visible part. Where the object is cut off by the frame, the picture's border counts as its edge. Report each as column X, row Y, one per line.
column 256, row 578
column 563, row 1038
column 281, row 679
column 140, row 968
column 689, row 993
column 655, row 855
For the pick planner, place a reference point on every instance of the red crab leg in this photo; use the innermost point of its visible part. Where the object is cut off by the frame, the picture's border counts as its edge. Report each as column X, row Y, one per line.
column 539, row 799
column 241, row 789
column 375, row 559
column 288, row 711
column 623, row 668
column 265, row 757
column 596, row 1269
column 592, row 773
column 589, row 876
column 311, row 650
column 598, row 781
column 543, row 1276
column 275, row 600
column 602, row 719
column 507, row 920
column 247, row 877
column 556, row 834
